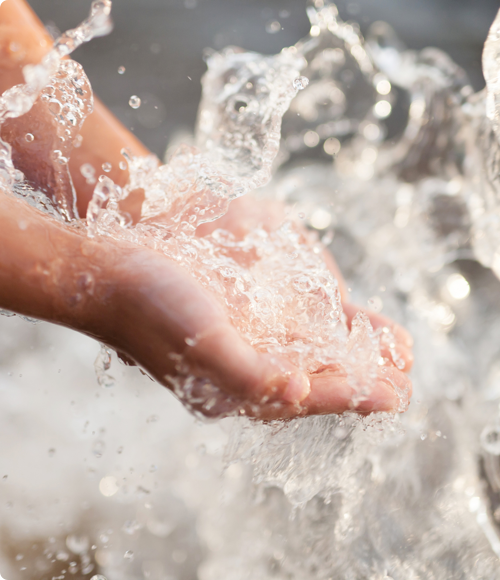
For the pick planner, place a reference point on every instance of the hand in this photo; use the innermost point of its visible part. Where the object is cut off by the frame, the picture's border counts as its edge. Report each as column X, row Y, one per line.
column 145, row 306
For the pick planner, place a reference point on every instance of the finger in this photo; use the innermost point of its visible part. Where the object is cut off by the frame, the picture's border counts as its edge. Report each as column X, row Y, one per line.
column 380, row 321
column 399, row 351
column 332, row 393
column 165, row 310
column 221, row 353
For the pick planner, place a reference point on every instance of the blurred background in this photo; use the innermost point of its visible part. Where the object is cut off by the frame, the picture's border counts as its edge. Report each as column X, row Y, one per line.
column 160, row 44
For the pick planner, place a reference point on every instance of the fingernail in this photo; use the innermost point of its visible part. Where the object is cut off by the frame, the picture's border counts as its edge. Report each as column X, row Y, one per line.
column 297, row 389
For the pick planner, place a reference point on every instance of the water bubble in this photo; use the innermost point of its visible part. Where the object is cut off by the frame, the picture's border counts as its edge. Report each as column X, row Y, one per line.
column 122, row 165
column 29, row 137
column 383, row 87
column 457, row 286
column 77, row 544
column 382, row 109
column 98, row 577
column 300, row 83
column 129, row 555
column 87, row 171
column 59, row 157
column 320, row 219
column 134, row 102
column 331, row 146
column 311, row 139
column 54, row 106
column 490, row 439
column 121, row 70
column 108, row 486
column 130, row 527
column 315, row 30
column 107, row 167
column 273, row 26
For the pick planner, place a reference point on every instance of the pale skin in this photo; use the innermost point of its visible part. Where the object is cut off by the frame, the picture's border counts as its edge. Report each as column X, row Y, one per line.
column 137, row 300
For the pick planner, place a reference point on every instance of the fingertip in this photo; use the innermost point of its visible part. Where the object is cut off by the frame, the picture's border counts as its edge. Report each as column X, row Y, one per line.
column 297, row 388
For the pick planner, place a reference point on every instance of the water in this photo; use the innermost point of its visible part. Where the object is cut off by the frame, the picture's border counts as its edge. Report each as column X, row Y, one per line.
column 412, row 222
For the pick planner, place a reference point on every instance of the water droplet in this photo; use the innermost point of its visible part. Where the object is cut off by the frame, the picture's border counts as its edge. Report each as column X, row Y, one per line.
column 107, row 167
column 29, row 137
column 121, row 70
column 273, row 26
column 490, row 439
column 5, row 477
column 300, row 83
column 108, row 486
column 77, row 544
column 331, row 146
column 54, row 106
column 311, row 139
column 77, row 141
column 52, row 452
column 122, row 165
column 134, row 102
column 129, row 555
column 59, row 157
column 98, row 577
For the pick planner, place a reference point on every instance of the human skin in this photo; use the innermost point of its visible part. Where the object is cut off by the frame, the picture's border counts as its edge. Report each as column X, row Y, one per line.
column 135, row 299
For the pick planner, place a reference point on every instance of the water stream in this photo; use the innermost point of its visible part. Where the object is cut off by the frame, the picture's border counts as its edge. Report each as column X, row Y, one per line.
column 97, row 484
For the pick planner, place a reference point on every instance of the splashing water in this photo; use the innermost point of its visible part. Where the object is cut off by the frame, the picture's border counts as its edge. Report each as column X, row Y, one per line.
column 324, row 497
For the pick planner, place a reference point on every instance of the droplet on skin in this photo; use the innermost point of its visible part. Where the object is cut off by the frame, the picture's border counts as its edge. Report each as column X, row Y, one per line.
column 29, row 137
column 134, row 102
column 122, row 165
column 107, row 167
column 87, row 171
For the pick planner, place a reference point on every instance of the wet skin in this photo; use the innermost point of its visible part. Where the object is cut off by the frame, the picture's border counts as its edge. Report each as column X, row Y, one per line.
column 137, row 300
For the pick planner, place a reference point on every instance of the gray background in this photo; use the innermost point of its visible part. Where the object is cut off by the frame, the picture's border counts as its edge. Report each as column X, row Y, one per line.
column 160, row 43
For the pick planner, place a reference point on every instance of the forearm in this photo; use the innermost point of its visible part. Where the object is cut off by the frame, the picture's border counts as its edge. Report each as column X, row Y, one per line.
column 23, row 40
column 48, row 270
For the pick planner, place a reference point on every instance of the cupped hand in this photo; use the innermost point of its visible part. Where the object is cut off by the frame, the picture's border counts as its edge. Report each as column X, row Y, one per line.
column 139, row 301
